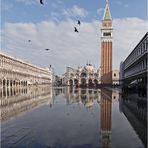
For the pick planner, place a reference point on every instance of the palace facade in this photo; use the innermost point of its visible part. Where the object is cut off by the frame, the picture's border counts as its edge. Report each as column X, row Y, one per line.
column 134, row 70
column 15, row 72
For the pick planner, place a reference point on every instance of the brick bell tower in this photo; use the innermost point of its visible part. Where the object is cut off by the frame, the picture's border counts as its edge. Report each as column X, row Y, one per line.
column 106, row 47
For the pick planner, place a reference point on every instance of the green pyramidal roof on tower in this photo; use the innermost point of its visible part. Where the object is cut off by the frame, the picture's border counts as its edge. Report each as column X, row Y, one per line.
column 107, row 15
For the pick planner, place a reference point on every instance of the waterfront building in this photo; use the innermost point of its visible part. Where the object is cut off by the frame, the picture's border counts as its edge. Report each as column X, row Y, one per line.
column 106, row 47
column 133, row 70
column 82, row 76
column 15, row 72
column 115, row 77
column 86, row 76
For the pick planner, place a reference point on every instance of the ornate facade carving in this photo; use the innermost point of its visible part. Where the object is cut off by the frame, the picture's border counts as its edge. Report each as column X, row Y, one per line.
column 15, row 72
column 82, row 76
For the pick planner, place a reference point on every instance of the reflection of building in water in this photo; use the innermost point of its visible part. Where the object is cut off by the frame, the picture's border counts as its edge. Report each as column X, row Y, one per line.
column 136, row 113
column 115, row 96
column 57, row 91
column 16, row 73
column 16, row 101
column 106, row 108
column 85, row 96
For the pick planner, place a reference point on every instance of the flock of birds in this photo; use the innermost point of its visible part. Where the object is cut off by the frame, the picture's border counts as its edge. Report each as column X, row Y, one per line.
column 75, row 28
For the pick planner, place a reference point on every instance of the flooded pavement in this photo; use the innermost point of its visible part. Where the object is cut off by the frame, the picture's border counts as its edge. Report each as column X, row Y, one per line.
column 47, row 117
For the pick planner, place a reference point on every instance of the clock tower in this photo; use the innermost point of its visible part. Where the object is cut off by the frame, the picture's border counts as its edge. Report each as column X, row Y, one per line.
column 106, row 47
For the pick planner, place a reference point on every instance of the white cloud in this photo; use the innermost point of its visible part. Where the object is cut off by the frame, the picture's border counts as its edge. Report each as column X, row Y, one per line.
column 75, row 11
column 55, row 16
column 127, row 33
column 100, row 11
column 67, row 47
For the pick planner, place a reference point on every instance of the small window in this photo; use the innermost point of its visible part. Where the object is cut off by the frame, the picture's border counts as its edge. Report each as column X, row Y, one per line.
column 114, row 75
column 107, row 34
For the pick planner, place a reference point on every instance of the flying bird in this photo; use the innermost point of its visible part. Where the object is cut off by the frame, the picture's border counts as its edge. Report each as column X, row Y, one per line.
column 41, row 2
column 29, row 40
column 76, row 30
column 47, row 49
column 79, row 23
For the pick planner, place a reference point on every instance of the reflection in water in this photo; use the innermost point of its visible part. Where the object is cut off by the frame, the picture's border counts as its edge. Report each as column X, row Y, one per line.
column 85, row 96
column 136, row 112
column 106, row 108
column 85, row 118
column 16, row 101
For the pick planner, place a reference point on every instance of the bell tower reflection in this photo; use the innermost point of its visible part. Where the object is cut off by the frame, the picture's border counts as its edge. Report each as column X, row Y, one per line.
column 106, row 108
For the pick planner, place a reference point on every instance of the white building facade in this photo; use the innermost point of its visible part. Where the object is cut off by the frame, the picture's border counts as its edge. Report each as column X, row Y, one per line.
column 15, row 72
column 82, row 76
column 135, row 67
column 86, row 76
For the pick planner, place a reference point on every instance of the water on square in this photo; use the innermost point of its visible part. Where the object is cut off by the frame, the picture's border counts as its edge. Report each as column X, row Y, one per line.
column 67, row 117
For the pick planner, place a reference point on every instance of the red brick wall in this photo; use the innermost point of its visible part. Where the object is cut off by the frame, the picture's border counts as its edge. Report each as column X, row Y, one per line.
column 106, row 62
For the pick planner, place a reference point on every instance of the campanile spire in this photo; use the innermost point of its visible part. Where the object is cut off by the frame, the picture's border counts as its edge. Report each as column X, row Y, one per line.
column 106, row 47
column 107, row 14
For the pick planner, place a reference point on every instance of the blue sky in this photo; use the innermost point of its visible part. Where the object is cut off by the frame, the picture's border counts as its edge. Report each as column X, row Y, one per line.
column 51, row 26
column 20, row 11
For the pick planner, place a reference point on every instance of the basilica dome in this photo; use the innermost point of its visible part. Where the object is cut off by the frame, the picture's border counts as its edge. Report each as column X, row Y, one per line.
column 80, row 69
column 89, row 68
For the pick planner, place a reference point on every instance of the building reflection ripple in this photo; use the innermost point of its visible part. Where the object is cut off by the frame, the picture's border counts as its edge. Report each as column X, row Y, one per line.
column 104, row 97
column 84, row 96
column 135, row 111
column 15, row 101
column 106, row 108
column 78, row 117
